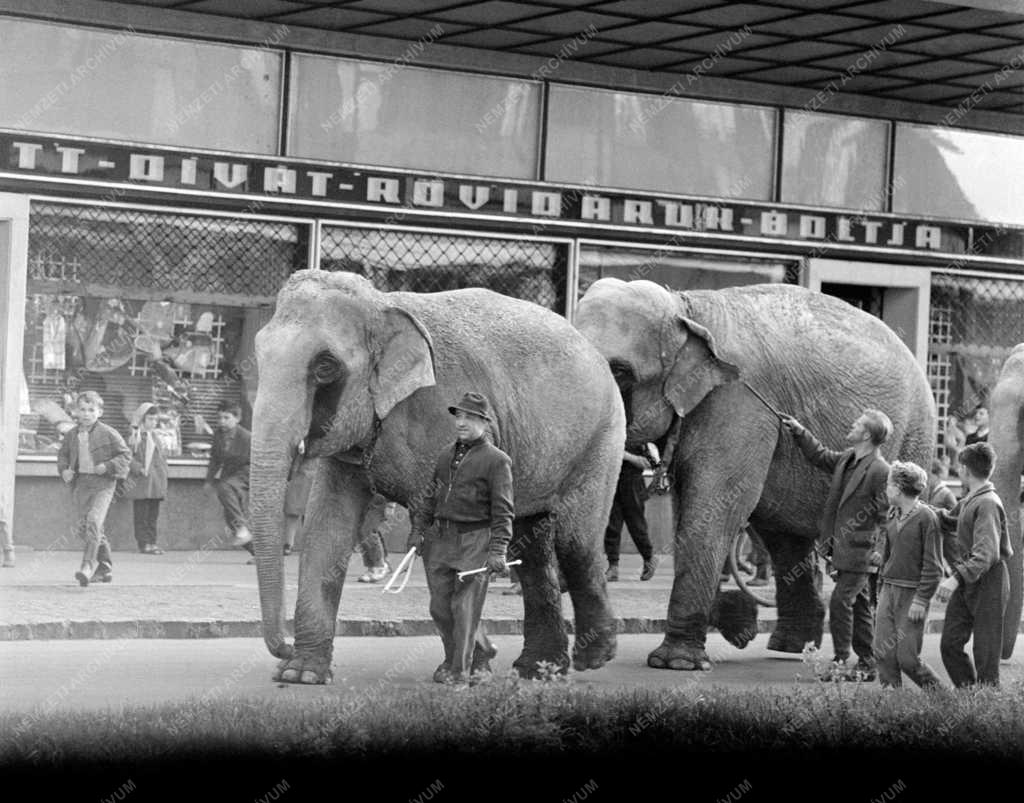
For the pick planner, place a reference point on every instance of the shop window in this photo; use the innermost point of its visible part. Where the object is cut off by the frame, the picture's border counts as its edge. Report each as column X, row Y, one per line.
column 660, row 143
column 680, row 270
column 146, row 307
column 379, row 114
column 974, row 324
column 833, row 160
column 967, row 175
column 426, row 262
column 116, row 84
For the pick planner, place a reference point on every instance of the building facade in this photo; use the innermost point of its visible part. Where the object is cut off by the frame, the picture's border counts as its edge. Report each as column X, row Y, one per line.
column 162, row 173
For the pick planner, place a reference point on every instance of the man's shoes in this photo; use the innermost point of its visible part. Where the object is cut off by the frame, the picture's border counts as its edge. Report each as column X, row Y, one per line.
column 864, row 670
column 82, row 576
column 8, row 559
column 649, row 567
column 286, row 550
column 755, row 582
column 103, row 574
column 516, row 589
column 242, row 536
column 151, row 549
column 611, row 574
column 376, row 573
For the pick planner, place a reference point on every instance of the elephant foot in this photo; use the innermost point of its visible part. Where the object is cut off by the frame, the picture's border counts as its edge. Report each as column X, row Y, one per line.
column 595, row 652
column 735, row 615
column 793, row 639
column 308, row 669
column 676, row 655
column 535, row 667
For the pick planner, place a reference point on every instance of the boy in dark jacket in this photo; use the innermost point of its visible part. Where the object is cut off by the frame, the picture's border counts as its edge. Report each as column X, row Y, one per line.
column 979, row 586
column 228, row 472
column 855, row 508
column 911, row 561
column 91, row 459
column 470, row 498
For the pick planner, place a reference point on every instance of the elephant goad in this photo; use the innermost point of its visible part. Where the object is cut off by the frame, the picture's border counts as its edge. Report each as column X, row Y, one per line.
column 1006, row 434
column 365, row 378
column 716, row 360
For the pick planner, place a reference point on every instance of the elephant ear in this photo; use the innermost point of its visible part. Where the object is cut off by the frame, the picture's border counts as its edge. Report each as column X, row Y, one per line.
column 697, row 367
column 404, row 360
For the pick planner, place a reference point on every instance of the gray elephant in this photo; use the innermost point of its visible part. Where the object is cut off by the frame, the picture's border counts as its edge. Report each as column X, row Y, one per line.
column 714, row 361
column 366, row 378
column 1006, row 434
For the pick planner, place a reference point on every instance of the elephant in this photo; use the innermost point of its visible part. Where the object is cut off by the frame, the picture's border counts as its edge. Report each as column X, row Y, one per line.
column 365, row 379
column 1006, row 435
column 714, row 368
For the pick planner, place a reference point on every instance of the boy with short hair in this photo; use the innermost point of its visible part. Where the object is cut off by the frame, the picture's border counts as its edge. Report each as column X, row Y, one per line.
column 91, row 459
column 979, row 586
column 228, row 471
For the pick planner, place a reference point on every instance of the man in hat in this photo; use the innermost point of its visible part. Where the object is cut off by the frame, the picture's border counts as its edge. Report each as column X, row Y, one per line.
column 470, row 500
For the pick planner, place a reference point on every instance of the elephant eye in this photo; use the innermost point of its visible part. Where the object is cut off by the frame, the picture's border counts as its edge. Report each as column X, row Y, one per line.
column 623, row 373
column 325, row 368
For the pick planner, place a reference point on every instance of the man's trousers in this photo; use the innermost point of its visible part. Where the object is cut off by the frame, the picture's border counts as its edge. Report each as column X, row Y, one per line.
column 976, row 609
column 851, row 619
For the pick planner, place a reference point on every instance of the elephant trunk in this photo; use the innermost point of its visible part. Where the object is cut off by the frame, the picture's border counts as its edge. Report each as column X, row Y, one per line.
column 1007, row 436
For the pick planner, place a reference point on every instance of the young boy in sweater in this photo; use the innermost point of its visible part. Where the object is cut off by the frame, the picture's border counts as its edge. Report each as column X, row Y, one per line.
column 911, row 563
column 91, row 459
column 979, row 586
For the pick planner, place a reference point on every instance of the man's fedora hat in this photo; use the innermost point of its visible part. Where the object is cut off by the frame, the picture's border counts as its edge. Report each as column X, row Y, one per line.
column 475, row 404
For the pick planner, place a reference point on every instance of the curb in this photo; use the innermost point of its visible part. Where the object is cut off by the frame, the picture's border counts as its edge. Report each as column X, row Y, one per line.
column 199, row 629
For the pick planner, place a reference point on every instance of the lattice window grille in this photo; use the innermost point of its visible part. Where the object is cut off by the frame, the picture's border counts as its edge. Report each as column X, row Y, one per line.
column 940, row 365
column 47, row 266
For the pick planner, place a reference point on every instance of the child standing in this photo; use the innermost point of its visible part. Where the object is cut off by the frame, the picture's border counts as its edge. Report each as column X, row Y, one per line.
column 147, row 477
column 911, row 569
column 91, row 459
column 228, row 472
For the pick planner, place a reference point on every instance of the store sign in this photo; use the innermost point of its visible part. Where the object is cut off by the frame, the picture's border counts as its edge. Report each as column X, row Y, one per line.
column 332, row 184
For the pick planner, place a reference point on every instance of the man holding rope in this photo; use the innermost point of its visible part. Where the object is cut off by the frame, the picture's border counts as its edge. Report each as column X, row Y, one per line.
column 471, row 501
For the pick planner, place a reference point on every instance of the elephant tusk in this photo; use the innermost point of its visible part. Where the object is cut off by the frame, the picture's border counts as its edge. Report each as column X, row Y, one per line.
column 404, row 566
column 464, row 575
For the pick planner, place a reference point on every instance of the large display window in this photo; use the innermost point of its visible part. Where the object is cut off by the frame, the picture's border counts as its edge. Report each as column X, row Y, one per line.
column 146, row 306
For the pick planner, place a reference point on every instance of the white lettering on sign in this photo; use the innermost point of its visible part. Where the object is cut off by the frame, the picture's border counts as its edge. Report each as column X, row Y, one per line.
column 595, row 207
column 188, row 171
column 318, row 182
column 510, row 200
column 230, row 174
column 428, row 193
column 677, row 214
column 928, row 237
column 279, row 179
column 843, row 233
column 548, row 204
column 69, row 158
column 871, row 229
column 716, row 218
column 474, row 197
column 27, row 154
column 776, row 223
column 382, row 189
column 896, row 238
column 145, row 168
column 812, row 227
column 641, row 212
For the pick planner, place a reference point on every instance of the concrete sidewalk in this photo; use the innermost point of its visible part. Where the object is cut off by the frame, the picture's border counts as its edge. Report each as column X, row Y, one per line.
column 210, row 594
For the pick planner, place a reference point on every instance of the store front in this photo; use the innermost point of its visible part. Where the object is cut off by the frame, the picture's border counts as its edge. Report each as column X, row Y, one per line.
column 141, row 254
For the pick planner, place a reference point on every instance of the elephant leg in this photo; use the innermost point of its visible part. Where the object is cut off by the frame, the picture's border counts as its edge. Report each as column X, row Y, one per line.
column 578, row 531
column 719, row 483
column 544, row 631
column 337, row 502
column 797, row 587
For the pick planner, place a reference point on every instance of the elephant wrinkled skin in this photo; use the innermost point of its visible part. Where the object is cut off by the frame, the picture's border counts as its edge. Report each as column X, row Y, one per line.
column 1006, row 434
column 366, row 378
column 689, row 355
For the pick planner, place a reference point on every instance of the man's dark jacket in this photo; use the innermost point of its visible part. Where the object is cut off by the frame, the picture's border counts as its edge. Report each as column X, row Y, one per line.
column 854, row 511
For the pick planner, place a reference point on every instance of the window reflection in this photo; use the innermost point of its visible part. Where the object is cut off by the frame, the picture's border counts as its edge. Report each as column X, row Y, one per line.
column 959, row 174
column 383, row 114
column 832, row 160
column 120, row 85
column 654, row 142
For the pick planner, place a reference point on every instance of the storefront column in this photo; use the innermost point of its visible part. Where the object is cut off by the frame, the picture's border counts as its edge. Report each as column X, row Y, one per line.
column 13, row 269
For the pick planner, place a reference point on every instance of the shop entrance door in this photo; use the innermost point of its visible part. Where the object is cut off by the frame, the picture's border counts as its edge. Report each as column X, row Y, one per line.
column 898, row 294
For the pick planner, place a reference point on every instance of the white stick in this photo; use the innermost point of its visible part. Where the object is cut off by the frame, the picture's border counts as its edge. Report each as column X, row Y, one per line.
column 406, row 566
column 464, row 575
